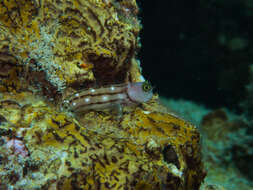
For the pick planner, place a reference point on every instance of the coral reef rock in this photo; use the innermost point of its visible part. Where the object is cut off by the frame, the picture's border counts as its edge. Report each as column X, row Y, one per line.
column 49, row 49
column 71, row 42
column 145, row 149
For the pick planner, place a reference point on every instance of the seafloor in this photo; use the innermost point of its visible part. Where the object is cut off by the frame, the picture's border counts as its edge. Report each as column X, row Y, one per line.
column 223, row 134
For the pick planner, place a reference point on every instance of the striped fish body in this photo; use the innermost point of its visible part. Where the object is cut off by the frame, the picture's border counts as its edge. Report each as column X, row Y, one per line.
column 107, row 97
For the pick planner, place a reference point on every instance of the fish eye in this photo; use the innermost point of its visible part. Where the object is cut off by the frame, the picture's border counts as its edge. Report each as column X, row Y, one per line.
column 146, row 86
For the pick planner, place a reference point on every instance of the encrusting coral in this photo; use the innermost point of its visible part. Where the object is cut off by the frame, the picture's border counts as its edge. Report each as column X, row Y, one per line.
column 53, row 48
column 147, row 149
column 71, row 42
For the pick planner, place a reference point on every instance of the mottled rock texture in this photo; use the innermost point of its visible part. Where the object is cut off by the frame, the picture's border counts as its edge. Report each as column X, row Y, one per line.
column 72, row 42
column 50, row 48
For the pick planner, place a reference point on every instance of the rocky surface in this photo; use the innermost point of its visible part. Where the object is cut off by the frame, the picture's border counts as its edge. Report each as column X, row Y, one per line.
column 51, row 48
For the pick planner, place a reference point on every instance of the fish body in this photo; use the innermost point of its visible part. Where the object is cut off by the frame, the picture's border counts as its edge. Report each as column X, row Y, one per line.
column 109, row 96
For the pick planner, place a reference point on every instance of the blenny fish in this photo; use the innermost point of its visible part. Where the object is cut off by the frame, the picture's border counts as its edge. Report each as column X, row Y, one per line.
column 129, row 94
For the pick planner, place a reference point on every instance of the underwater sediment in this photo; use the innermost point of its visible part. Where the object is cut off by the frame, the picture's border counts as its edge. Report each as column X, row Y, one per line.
column 50, row 49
